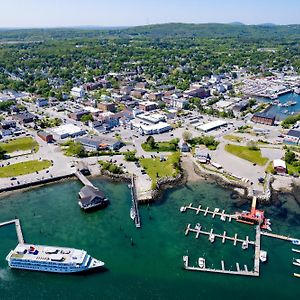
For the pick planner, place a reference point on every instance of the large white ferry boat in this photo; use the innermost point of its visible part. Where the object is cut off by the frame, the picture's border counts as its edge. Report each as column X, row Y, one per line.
column 51, row 259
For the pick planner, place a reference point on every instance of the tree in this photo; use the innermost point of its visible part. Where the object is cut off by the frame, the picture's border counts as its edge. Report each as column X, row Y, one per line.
column 2, row 153
column 150, row 141
column 86, row 118
column 289, row 157
column 186, row 135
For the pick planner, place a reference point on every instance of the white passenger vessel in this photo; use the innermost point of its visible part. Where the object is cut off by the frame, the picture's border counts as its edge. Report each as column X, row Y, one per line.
column 51, row 259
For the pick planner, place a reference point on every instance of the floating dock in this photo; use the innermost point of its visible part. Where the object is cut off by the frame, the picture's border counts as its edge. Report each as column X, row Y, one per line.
column 216, row 212
column 239, row 271
column 278, row 236
column 135, row 206
column 18, row 229
column 223, row 236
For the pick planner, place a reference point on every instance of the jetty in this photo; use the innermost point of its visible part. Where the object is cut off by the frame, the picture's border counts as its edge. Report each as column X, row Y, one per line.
column 238, row 271
column 223, row 236
column 135, row 206
column 206, row 211
column 18, row 229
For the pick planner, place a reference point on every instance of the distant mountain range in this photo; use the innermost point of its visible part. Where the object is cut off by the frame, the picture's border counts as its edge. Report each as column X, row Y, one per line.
column 209, row 30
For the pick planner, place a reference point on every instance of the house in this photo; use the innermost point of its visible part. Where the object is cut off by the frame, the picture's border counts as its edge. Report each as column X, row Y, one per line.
column 147, row 105
column 180, row 103
column 279, row 166
column 106, row 106
column 41, row 102
column 184, row 147
column 77, row 115
column 202, row 155
column 47, row 137
column 292, row 137
column 77, row 92
column 25, row 117
column 8, row 124
column 263, row 118
column 91, row 197
column 155, row 96
column 138, row 93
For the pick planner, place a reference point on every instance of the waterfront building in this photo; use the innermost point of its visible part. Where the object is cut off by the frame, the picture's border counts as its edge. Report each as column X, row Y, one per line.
column 279, row 166
column 292, row 137
column 263, row 118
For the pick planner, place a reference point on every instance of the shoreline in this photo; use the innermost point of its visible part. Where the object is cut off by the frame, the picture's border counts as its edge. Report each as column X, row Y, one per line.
column 190, row 172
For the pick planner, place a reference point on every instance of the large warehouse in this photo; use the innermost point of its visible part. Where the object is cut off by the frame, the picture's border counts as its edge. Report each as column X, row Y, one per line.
column 212, row 125
column 67, row 130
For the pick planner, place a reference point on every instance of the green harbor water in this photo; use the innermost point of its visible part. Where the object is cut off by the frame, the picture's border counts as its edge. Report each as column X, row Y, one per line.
column 152, row 267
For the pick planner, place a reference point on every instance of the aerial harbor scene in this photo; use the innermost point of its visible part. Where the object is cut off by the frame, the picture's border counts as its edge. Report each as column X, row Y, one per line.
column 149, row 156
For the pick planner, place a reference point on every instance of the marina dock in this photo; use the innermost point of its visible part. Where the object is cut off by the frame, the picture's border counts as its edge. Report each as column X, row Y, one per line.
column 18, row 229
column 216, row 212
column 239, row 271
column 278, row 236
column 223, row 236
column 135, row 206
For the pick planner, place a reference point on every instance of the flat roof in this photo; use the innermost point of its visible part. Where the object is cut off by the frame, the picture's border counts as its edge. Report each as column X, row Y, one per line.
column 66, row 129
column 212, row 125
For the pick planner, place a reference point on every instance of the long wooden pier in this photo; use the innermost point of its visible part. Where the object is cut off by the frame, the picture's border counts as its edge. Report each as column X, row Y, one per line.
column 135, row 206
column 277, row 236
column 83, row 179
column 257, row 250
column 216, row 212
column 18, row 229
column 223, row 236
column 239, row 271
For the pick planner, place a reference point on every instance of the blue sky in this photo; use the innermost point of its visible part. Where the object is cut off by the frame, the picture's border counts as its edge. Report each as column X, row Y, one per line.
column 51, row 13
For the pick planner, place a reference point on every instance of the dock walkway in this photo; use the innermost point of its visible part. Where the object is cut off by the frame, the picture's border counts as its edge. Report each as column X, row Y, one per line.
column 223, row 236
column 18, row 229
column 135, row 206
column 278, row 236
column 83, row 179
column 216, row 212
column 239, row 271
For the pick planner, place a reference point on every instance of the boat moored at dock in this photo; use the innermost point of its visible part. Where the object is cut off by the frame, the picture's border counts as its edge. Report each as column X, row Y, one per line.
column 51, row 259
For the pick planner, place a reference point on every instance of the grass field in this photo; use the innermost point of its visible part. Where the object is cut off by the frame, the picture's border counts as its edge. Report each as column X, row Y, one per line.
column 20, row 144
column 244, row 152
column 24, row 168
column 157, row 169
column 233, row 138
column 160, row 147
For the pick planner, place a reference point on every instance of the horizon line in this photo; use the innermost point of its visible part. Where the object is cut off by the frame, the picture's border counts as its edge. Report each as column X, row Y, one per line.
column 237, row 23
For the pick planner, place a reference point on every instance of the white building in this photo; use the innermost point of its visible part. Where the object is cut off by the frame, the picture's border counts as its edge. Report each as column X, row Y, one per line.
column 212, row 125
column 148, row 129
column 67, row 130
column 77, row 92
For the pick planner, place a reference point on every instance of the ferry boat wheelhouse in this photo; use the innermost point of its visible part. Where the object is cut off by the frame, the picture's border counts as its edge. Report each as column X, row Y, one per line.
column 51, row 259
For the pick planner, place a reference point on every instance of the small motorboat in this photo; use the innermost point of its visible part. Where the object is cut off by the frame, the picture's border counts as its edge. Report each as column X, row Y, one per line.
column 295, row 250
column 245, row 245
column 297, row 275
column 223, row 218
column 297, row 261
column 132, row 213
column 212, row 238
column 295, row 241
column 201, row 262
column 296, row 264
column 182, row 209
column 198, row 226
column 263, row 256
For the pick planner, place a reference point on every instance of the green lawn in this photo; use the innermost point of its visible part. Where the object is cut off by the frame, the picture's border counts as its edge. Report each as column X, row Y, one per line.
column 24, row 168
column 23, row 144
column 160, row 147
column 233, row 138
column 244, row 152
column 157, row 169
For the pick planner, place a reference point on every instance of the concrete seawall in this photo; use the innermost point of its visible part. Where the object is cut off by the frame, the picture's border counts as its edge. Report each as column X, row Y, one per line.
column 34, row 183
